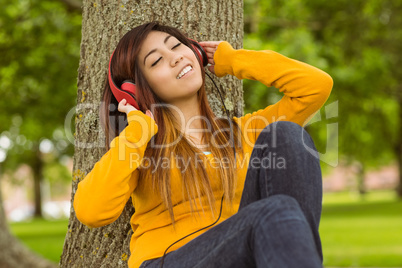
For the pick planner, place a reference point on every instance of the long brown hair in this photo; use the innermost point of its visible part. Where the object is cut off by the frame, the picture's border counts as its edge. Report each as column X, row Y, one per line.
column 195, row 180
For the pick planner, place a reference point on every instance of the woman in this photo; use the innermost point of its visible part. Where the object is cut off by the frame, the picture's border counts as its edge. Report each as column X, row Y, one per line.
column 207, row 192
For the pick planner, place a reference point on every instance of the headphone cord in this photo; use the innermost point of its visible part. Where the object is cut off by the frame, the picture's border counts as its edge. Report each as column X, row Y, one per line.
column 220, row 213
column 234, row 151
column 228, row 116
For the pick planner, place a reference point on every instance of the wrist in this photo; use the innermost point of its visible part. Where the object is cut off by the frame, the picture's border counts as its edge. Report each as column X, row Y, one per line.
column 142, row 122
column 224, row 57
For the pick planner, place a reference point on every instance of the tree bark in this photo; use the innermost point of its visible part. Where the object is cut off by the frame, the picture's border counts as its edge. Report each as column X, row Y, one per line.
column 12, row 253
column 104, row 23
column 37, row 168
column 361, row 174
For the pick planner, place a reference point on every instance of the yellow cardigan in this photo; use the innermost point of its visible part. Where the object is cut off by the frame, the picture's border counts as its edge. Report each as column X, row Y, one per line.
column 102, row 195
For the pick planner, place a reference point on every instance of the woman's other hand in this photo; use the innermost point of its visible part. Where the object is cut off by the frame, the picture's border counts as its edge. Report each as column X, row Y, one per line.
column 125, row 107
column 210, row 48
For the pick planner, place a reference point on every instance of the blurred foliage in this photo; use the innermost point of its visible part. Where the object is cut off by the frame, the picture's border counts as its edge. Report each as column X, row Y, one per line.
column 39, row 47
column 358, row 43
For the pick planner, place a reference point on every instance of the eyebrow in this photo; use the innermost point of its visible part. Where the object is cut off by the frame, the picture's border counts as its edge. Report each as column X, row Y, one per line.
column 154, row 50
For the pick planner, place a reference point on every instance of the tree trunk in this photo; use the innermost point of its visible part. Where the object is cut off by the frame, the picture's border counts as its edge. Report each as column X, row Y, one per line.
column 361, row 174
column 104, row 23
column 12, row 253
column 37, row 168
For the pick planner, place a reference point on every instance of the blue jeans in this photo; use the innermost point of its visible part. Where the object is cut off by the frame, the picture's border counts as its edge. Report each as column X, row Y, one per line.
column 278, row 218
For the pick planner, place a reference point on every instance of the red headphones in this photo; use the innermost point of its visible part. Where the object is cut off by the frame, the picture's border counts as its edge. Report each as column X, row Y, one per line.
column 128, row 89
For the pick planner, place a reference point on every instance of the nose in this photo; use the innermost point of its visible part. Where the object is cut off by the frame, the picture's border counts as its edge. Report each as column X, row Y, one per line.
column 176, row 58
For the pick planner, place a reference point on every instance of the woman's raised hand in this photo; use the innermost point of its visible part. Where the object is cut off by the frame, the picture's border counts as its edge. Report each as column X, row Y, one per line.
column 210, row 48
column 125, row 107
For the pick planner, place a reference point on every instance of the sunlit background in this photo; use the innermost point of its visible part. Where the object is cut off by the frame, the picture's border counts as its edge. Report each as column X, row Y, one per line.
column 358, row 132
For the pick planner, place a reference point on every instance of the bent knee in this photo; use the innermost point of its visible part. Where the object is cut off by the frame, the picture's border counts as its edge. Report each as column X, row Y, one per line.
column 282, row 208
column 282, row 132
column 280, row 201
column 274, row 203
column 274, row 209
column 281, row 128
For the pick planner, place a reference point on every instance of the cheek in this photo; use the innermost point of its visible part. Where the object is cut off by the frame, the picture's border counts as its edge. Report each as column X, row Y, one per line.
column 160, row 85
column 160, row 81
column 199, row 75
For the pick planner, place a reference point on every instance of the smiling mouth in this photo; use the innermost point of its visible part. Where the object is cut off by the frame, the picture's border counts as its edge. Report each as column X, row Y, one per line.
column 184, row 71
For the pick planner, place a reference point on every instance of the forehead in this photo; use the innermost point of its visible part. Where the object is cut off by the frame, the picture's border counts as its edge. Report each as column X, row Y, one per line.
column 152, row 41
column 155, row 36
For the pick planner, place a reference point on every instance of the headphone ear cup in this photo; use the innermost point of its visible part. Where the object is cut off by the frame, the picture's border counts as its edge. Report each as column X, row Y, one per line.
column 129, row 86
column 200, row 52
column 127, row 91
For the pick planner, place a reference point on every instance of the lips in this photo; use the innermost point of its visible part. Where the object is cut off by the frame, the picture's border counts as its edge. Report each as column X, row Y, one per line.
column 184, row 71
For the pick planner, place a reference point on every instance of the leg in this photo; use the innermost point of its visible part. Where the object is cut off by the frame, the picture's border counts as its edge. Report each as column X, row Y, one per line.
column 288, row 168
column 256, row 236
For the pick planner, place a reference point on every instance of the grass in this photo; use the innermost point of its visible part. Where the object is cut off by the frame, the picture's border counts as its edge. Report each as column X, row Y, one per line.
column 355, row 232
column 44, row 237
column 359, row 232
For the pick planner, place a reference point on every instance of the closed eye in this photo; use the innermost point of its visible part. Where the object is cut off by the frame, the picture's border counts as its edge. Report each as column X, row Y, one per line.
column 153, row 64
column 176, row 45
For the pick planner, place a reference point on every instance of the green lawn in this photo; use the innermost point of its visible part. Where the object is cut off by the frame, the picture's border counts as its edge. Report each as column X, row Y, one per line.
column 354, row 232
column 362, row 233
column 44, row 237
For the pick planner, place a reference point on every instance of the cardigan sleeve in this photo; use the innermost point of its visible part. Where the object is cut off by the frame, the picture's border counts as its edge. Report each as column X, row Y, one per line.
column 102, row 195
column 305, row 87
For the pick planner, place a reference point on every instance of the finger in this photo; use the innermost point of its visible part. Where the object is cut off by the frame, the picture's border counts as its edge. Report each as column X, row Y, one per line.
column 210, row 43
column 210, row 49
column 148, row 112
column 122, row 103
column 121, row 109
column 210, row 55
column 212, row 69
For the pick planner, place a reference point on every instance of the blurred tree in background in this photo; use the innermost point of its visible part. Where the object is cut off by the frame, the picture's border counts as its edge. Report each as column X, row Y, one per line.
column 39, row 47
column 358, row 43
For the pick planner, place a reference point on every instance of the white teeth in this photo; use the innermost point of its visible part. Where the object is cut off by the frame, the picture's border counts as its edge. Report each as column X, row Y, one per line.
column 185, row 70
